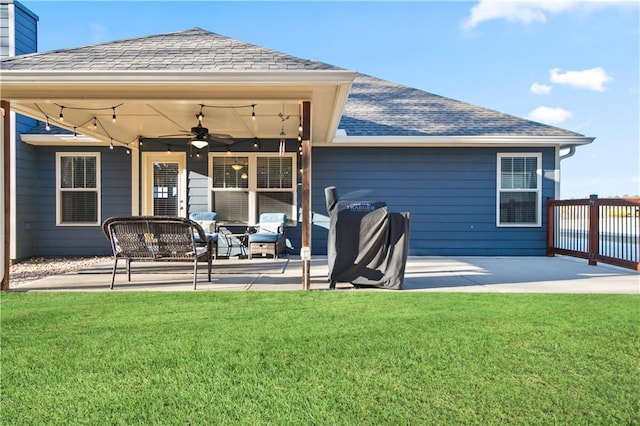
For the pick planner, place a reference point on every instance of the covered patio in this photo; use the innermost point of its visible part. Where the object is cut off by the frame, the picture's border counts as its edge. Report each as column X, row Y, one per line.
column 123, row 103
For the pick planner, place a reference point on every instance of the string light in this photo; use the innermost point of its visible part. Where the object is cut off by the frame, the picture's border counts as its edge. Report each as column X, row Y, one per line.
column 253, row 112
column 256, row 143
column 93, row 120
column 114, row 115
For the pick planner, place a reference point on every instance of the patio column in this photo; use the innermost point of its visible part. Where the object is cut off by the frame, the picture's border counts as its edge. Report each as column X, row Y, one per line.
column 5, row 108
column 305, row 251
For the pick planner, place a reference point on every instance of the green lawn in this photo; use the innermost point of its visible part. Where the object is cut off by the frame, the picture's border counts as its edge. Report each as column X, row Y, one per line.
column 340, row 358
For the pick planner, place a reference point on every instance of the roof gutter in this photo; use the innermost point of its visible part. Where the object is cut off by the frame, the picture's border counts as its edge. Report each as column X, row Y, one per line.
column 460, row 141
column 14, row 80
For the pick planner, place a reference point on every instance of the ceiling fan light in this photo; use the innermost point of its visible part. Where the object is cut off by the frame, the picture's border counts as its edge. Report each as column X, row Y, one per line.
column 199, row 143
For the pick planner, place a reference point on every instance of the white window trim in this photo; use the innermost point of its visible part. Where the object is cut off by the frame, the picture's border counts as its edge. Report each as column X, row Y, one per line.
column 253, row 189
column 59, row 188
column 538, row 189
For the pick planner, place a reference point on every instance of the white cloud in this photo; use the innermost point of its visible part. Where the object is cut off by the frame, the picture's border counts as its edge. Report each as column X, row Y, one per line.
column 528, row 11
column 549, row 115
column 540, row 89
column 522, row 11
column 592, row 79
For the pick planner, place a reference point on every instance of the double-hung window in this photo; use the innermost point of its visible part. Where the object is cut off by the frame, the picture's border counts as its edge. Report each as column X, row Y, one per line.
column 519, row 195
column 247, row 185
column 78, row 188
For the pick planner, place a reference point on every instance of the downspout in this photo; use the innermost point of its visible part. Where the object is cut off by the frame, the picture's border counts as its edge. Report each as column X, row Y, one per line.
column 572, row 150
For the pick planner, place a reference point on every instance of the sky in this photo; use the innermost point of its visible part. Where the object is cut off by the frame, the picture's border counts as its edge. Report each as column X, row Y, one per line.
column 571, row 64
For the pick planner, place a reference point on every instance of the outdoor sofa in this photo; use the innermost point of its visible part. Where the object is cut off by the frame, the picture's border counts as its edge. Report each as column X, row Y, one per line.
column 157, row 239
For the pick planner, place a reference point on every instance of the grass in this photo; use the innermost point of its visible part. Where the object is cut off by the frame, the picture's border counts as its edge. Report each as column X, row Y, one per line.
column 319, row 358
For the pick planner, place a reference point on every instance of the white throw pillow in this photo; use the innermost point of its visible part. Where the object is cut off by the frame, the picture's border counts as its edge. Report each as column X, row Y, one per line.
column 209, row 226
column 270, row 227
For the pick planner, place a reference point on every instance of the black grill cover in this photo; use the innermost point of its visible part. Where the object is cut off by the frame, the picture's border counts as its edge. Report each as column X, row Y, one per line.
column 367, row 245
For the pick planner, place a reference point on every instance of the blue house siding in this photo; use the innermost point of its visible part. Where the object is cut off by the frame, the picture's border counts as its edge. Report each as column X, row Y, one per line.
column 25, row 195
column 18, row 36
column 450, row 193
column 26, row 28
column 115, row 200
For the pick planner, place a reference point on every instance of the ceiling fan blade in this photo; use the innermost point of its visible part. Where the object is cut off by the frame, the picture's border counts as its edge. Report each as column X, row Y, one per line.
column 177, row 135
column 222, row 140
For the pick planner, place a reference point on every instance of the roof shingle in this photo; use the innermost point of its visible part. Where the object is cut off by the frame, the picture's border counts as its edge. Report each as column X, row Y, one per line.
column 374, row 107
column 194, row 49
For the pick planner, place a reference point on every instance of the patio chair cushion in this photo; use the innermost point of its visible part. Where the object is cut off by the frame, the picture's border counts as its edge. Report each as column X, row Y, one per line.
column 212, row 235
column 208, row 222
column 264, row 237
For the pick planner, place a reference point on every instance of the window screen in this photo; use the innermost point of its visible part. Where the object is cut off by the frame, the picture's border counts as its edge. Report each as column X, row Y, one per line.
column 78, row 192
column 243, row 187
column 231, row 206
column 275, row 172
column 519, row 192
column 230, row 172
column 274, row 202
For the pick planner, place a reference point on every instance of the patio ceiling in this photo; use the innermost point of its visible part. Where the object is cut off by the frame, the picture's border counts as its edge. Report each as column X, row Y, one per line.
column 154, row 104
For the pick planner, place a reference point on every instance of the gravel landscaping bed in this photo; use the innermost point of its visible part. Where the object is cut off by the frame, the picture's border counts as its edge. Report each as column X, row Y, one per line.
column 36, row 268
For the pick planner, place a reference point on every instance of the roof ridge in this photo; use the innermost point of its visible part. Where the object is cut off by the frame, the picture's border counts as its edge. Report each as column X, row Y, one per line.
column 196, row 31
column 111, row 42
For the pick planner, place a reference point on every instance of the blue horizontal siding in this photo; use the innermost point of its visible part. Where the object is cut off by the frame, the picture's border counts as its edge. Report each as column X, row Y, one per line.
column 450, row 193
column 25, row 220
column 53, row 240
column 26, row 31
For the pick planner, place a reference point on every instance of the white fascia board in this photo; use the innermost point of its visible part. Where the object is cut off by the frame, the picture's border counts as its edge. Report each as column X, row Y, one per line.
column 311, row 77
column 458, row 141
column 338, row 108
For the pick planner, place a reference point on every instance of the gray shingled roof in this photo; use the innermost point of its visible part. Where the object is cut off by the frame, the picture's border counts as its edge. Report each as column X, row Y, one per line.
column 374, row 107
column 378, row 107
column 194, row 49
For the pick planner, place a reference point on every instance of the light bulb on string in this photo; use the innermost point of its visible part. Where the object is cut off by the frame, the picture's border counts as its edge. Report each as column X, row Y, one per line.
column 61, row 116
column 113, row 118
column 47, row 126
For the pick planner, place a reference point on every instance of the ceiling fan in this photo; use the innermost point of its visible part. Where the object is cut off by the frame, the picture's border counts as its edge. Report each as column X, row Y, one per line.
column 200, row 136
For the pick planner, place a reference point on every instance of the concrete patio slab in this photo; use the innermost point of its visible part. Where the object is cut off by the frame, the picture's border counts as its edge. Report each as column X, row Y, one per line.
column 445, row 274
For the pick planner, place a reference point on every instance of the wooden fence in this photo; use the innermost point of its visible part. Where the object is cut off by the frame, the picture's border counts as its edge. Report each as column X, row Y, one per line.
column 603, row 230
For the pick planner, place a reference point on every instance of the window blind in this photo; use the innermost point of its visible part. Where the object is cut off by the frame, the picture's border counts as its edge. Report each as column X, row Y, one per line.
column 165, row 189
column 78, row 192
